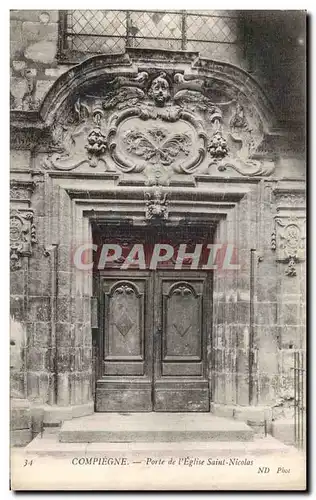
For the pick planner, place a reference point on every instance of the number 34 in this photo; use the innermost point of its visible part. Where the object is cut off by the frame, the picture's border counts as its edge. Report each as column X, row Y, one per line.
column 28, row 462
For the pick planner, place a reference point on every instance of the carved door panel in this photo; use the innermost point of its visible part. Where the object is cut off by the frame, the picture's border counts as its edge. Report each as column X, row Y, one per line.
column 180, row 346
column 153, row 330
column 125, row 343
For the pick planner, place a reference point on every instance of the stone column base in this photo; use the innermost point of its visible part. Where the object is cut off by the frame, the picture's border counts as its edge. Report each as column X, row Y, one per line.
column 20, row 422
column 284, row 430
column 258, row 417
column 51, row 416
column 20, row 437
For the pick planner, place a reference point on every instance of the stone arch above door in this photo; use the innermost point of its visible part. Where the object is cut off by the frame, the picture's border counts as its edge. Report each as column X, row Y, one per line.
column 157, row 117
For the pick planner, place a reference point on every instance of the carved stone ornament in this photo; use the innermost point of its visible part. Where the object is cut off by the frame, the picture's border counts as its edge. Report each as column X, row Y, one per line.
column 156, row 147
column 143, row 139
column 159, row 125
column 288, row 239
column 160, row 90
column 218, row 146
column 156, row 205
column 244, row 141
column 80, row 140
column 289, row 199
column 22, row 236
column 21, row 190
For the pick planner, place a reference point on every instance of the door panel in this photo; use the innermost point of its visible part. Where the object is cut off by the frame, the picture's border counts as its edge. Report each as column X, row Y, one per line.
column 124, row 327
column 182, row 324
column 126, row 368
column 182, row 321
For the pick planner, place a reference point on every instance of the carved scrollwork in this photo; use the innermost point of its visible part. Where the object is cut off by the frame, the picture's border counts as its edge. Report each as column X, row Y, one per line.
column 21, row 190
column 124, row 288
column 288, row 200
column 22, row 236
column 156, row 147
column 182, row 288
column 17, row 193
column 239, row 153
column 292, row 199
column 196, row 101
column 250, row 168
column 197, row 118
column 183, row 82
column 124, row 98
column 290, row 241
column 133, row 145
column 79, row 140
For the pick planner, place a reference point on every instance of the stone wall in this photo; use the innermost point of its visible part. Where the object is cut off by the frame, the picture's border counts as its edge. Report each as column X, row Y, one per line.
column 33, row 54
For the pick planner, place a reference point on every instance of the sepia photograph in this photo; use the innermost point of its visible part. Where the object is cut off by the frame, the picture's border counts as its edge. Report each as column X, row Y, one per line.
column 158, row 250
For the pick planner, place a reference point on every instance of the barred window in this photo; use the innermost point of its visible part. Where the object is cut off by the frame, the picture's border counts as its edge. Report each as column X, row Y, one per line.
column 214, row 34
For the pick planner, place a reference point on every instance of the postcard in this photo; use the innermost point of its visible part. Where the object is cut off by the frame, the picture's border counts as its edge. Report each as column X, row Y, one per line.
column 157, row 250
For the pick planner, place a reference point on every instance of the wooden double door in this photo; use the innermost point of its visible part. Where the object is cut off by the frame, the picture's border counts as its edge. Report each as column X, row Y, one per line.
column 154, row 327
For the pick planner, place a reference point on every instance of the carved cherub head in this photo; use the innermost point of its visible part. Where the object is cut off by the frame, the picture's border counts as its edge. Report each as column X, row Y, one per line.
column 160, row 90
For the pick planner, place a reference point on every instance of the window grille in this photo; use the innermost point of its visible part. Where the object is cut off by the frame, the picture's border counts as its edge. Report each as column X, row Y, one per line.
column 299, row 370
column 213, row 34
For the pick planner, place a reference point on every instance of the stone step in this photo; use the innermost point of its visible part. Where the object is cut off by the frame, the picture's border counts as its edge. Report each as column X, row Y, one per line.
column 48, row 445
column 153, row 427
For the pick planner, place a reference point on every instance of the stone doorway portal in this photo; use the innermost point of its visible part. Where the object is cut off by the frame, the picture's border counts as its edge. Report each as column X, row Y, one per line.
column 153, row 324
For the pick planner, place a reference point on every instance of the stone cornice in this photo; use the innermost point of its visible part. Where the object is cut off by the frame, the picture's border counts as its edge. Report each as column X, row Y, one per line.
column 28, row 130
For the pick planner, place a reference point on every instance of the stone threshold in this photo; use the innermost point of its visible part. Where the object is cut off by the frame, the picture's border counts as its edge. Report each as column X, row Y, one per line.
column 153, row 427
column 49, row 445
